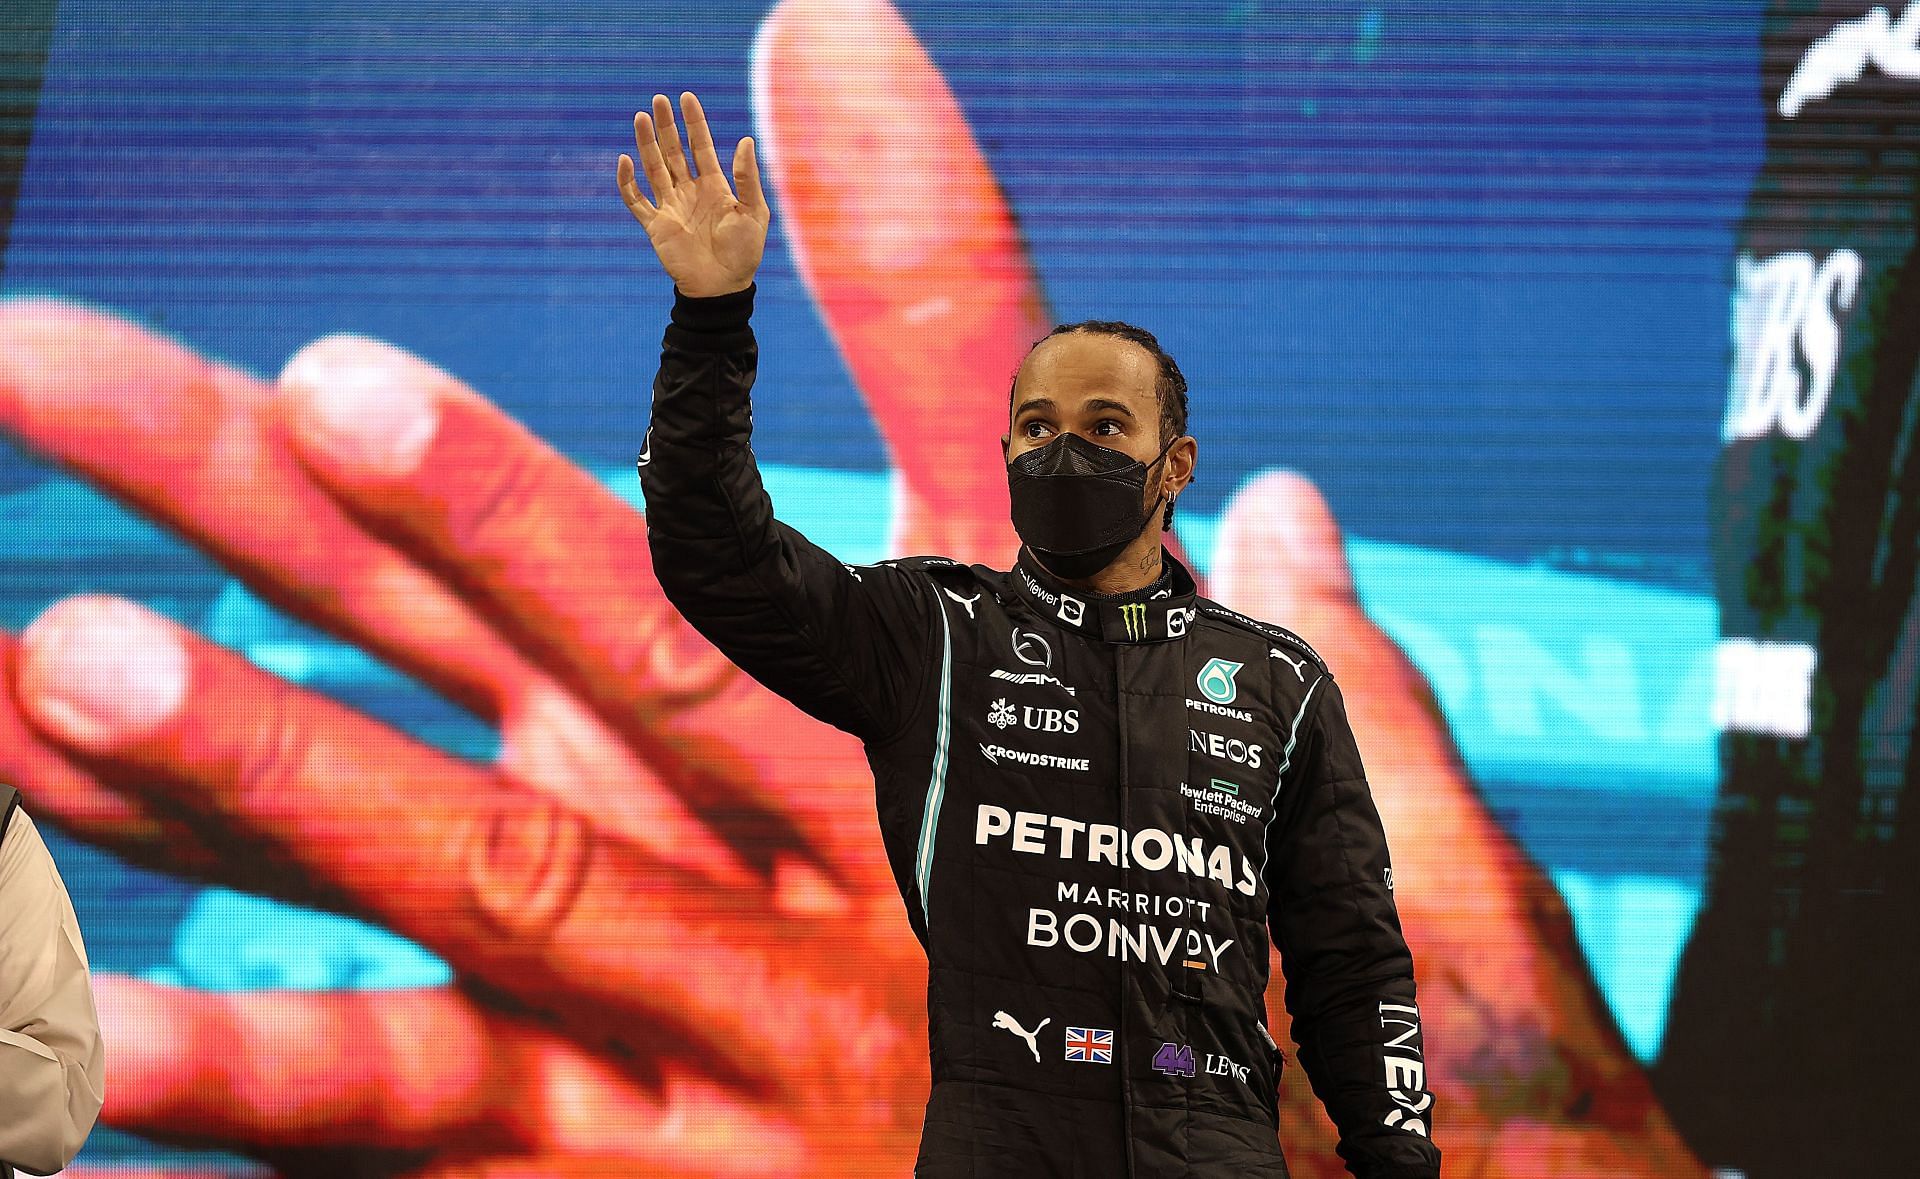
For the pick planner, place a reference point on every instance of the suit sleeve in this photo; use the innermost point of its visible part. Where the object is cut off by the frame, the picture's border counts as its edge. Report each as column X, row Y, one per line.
column 1349, row 973
column 845, row 645
column 52, row 1066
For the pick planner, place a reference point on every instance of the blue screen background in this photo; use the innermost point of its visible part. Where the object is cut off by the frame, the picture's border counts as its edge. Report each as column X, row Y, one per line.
column 1466, row 268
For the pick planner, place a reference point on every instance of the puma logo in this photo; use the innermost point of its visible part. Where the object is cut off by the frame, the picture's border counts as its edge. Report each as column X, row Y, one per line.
column 1002, row 1020
column 1299, row 668
column 967, row 602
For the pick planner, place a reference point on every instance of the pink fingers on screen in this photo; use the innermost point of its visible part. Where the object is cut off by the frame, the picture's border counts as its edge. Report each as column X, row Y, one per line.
column 416, row 1069
column 909, row 250
column 525, row 895
column 560, row 564
column 190, row 442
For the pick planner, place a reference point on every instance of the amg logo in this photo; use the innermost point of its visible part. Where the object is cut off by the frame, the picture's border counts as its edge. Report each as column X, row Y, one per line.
column 1029, row 677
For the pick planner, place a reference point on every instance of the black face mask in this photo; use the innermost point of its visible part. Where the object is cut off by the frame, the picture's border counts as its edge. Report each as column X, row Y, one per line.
column 1076, row 504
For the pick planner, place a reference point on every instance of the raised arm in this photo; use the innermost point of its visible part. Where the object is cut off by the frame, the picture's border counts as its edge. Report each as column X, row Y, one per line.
column 847, row 646
column 1350, row 987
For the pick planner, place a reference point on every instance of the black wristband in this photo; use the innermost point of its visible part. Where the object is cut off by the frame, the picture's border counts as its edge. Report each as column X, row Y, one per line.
column 716, row 313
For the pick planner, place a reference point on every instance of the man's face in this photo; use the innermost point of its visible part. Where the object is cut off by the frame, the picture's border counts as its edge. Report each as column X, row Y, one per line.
column 1097, row 386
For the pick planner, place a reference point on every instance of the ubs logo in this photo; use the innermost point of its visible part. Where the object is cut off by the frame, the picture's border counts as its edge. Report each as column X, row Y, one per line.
column 1787, row 316
column 1004, row 715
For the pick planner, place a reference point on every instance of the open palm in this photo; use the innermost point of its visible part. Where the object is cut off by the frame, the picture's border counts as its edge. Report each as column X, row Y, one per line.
column 709, row 241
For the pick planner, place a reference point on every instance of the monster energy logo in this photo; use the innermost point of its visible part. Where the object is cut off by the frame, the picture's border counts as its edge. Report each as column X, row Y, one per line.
column 1134, row 614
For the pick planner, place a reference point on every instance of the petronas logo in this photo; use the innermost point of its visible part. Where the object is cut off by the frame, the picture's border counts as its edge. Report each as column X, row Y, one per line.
column 1134, row 614
column 1216, row 680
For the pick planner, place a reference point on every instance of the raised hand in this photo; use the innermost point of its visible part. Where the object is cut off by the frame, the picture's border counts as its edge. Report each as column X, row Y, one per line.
column 709, row 242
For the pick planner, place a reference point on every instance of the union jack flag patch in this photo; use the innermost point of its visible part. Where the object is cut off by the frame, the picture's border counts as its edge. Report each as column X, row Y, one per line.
column 1090, row 1045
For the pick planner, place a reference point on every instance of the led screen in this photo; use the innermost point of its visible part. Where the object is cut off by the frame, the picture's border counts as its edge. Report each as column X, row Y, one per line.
column 1552, row 371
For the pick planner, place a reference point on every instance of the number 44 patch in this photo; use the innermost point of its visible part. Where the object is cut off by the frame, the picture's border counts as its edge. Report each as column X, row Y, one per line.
column 1175, row 1060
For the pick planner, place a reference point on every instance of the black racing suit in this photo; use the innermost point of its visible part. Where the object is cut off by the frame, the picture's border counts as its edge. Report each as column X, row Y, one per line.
column 1093, row 807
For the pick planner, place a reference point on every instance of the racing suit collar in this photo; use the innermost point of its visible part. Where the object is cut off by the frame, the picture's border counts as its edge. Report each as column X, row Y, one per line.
column 1122, row 618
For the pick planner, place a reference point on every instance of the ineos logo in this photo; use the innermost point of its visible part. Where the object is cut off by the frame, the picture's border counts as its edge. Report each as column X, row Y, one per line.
column 1232, row 749
column 1031, row 649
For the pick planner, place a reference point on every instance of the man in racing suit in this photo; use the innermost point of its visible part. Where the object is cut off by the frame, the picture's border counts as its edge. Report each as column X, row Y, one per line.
column 1094, row 803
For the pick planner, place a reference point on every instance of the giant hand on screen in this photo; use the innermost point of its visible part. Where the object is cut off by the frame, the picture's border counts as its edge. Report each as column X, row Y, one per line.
column 677, row 947
column 675, row 943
